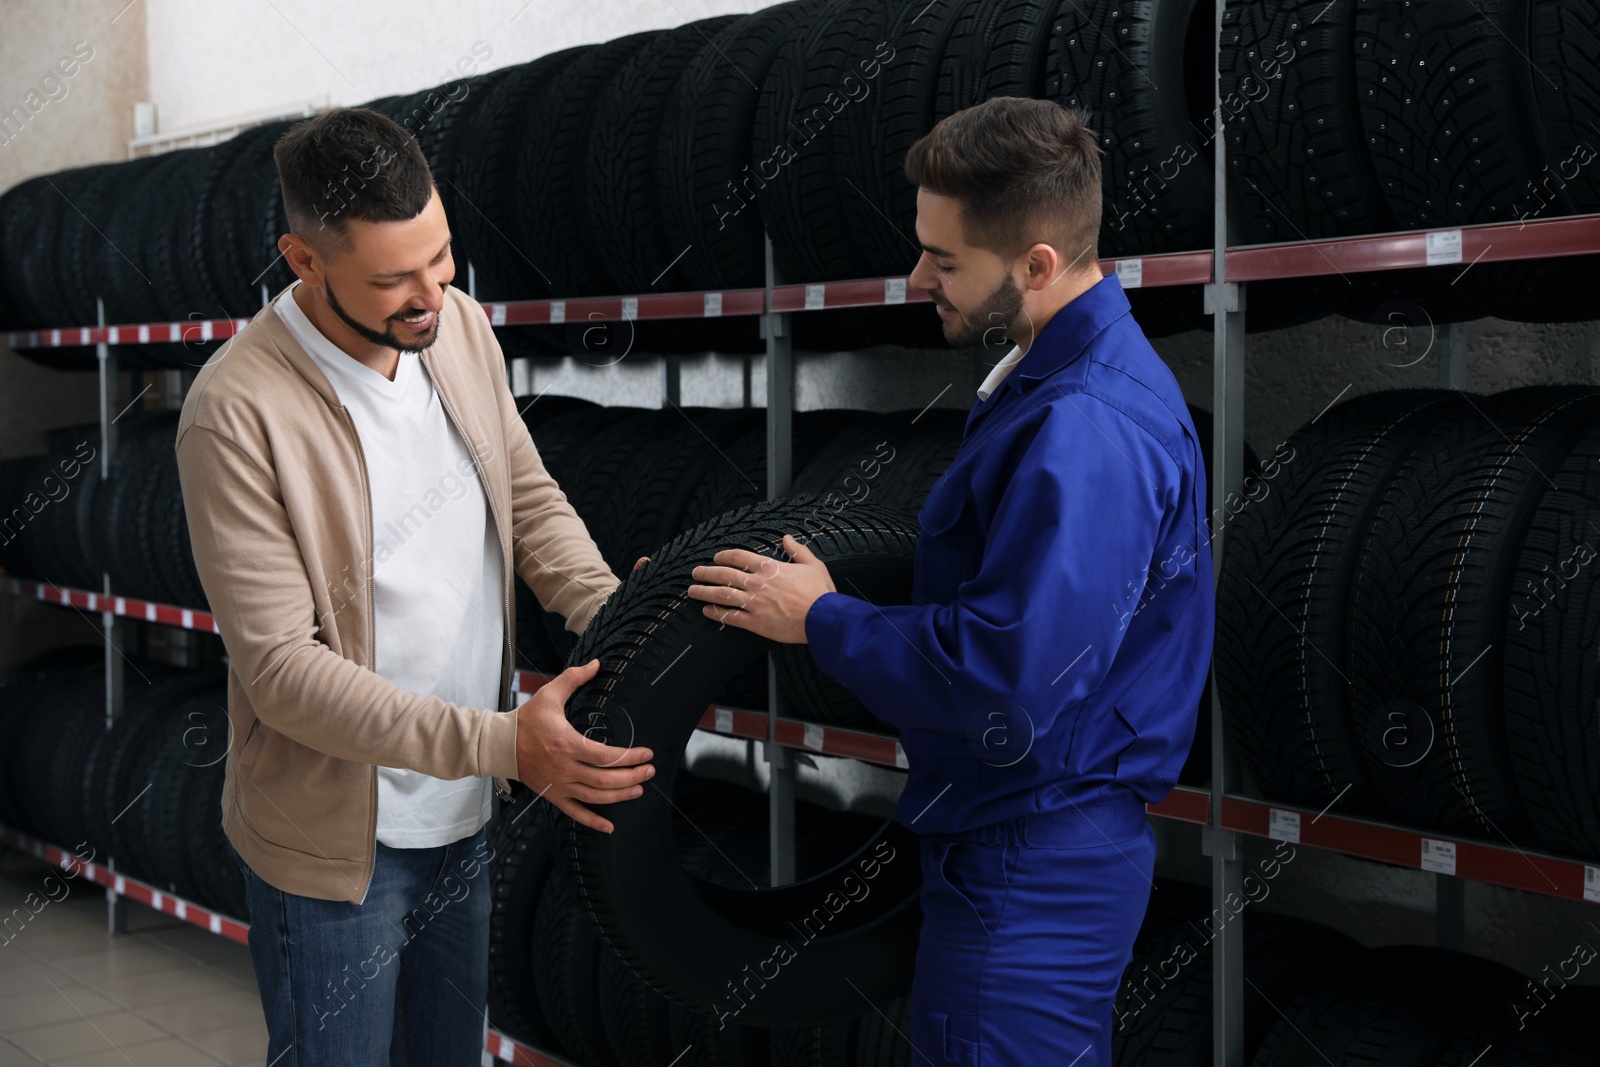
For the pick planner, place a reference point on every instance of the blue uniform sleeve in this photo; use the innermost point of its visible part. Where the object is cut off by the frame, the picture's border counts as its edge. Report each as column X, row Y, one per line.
column 1069, row 550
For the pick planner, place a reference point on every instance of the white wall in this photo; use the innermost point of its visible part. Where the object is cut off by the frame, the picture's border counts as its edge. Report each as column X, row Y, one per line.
column 210, row 60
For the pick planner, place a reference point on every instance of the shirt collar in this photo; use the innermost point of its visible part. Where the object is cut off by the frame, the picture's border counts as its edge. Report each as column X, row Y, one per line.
column 340, row 367
column 998, row 372
column 1062, row 340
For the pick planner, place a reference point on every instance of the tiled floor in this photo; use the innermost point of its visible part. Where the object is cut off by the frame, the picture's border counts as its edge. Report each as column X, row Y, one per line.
column 165, row 994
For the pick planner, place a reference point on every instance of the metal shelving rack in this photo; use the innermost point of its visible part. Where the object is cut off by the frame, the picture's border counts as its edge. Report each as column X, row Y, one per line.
column 1224, row 815
column 1220, row 811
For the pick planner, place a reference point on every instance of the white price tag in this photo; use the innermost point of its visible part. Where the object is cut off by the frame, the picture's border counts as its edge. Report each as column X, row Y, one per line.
column 713, row 305
column 121, row 886
column 214, row 627
column 814, row 300
column 894, row 290
column 205, row 330
column 1591, row 884
column 174, row 332
column 558, row 312
column 497, row 314
column 900, row 757
column 122, row 606
column 66, row 596
column 149, row 613
column 1130, row 273
column 1283, row 825
column 94, row 602
column 144, row 335
column 83, row 336
column 813, row 737
column 1438, row 856
column 1444, row 246
column 180, row 909
column 188, row 619
column 216, row 924
column 630, row 308
column 55, row 338
column 155, row 901
column 113, row 335
column 724, row 721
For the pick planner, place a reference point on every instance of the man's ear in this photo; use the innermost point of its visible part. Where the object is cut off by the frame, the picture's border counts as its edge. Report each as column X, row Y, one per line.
column 1044, row 263
column 304, row 258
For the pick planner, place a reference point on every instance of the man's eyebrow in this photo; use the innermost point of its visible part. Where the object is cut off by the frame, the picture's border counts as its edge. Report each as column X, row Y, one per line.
column 403, row 273
column 937, row 251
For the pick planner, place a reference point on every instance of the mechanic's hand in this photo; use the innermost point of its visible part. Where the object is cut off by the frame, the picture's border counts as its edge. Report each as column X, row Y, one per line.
column 762, row 595
column 565, row 767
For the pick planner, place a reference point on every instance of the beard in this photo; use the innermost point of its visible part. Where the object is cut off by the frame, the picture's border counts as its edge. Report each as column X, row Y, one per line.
column 388, row 338
column 986, row 326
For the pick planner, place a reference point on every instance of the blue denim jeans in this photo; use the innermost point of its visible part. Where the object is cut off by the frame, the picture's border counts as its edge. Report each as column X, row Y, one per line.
column 401, row 979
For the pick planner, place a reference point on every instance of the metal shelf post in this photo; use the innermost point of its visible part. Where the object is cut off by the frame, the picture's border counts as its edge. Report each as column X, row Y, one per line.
column 116, row 905
column 1226, row 303
column 775, row 328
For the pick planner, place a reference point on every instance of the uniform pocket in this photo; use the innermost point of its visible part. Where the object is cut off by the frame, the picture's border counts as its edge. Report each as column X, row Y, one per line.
column 949, row 546
column 961, row 1044
column 980, row 874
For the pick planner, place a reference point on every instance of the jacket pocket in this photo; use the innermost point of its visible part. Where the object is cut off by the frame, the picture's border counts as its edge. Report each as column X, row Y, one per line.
column 949, row 547
column 299, row 799
column 960, row 1031
column 979, row 874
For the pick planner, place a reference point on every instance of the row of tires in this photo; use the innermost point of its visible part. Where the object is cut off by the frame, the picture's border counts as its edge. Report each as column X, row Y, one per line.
column 1404, row 609
column 637, row 477
column 61, row 523
column 1406, row 614
column 658, row 160
column 147, row 792
column 1313, row 997
column 1312, row 992
column 686, row 864
column 555, row 982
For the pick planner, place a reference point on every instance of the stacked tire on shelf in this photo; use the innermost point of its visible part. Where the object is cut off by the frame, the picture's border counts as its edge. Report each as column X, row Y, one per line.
column 1404, row 609
column 146, row 792
column 61, row 524
column 657, row 161
column 1315, row 997
column 639, row 477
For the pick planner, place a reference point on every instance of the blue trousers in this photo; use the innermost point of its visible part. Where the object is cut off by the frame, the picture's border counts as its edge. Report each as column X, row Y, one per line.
column 1027, row 927
column 400, row 979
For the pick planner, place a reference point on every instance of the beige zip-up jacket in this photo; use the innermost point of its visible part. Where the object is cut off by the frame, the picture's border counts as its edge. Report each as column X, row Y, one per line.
column 276, row 494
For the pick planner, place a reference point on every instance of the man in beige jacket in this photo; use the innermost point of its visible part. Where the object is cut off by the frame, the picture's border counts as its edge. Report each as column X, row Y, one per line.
column 360, row 490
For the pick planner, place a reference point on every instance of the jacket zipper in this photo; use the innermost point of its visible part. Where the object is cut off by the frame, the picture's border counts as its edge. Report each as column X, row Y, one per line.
column 372, row 638
column 505, row 566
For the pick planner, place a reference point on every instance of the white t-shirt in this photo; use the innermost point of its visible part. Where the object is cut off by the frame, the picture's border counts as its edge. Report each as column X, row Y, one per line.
column 439, row 630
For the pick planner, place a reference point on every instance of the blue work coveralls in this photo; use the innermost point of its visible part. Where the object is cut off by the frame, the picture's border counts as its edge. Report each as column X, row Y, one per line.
column 1045, row 682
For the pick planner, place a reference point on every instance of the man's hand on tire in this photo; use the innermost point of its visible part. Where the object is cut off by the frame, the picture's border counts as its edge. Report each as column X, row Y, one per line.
column 567, row 768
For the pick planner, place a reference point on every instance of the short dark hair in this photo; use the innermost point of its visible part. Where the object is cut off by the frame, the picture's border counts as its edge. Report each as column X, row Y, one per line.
column 349, row 163
column 1024, row 171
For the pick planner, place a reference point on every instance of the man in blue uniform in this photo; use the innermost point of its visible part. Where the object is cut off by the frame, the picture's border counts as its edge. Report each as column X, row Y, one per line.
column 1046, row 677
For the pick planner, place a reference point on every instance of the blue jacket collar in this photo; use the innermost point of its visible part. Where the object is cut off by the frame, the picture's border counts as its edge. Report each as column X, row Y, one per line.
column 1062, row 340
